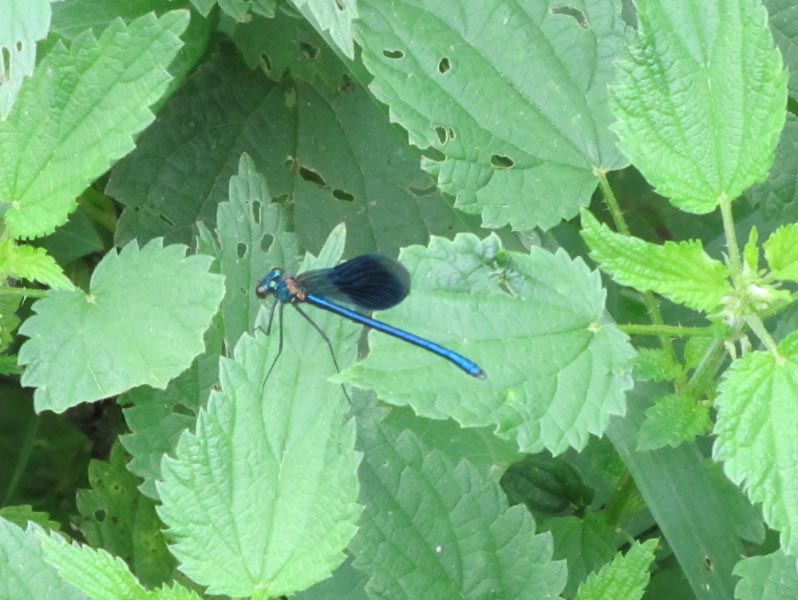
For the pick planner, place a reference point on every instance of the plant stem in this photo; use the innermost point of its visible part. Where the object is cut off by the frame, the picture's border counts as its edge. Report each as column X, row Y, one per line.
column 22, row 291
column 669, row 330
column 735, row 266
column 758, row 327
column 705, row 372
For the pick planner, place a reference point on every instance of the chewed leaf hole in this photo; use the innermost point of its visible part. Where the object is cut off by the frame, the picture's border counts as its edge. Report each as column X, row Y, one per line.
column 395, row 54
column 444, row 65
column 266, row 62
column 441, row 133
column 266, row 242
column 241, row 249
column 421, row 192
column 312, row 176
column 501, row 162
column 166, row 220
column 100, row 515
column 340, row 5
column 342, row 195
column 573, row 12
column 256, row 209
column 308, row 50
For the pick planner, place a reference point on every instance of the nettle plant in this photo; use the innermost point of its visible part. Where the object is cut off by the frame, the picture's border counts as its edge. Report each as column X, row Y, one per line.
column 637, row 432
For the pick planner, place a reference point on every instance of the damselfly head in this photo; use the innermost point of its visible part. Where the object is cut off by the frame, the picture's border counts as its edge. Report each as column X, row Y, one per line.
column 268, row 284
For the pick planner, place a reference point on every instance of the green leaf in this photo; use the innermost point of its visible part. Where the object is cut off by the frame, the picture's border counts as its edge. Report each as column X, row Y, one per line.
column 328, row 153
column 654, row 364
column 292, row 449
column 24, row 575
column 157, row 418
column 141, row 323
column 549, row 356
column 673, row 420
column 78, row 114
column 334, row 17
column 783, row 17
column 99, row 574
column 700, row 103
column 681, row 271
column 781, row 252
column 119, row 519
column 625, row 577
column 586, row 544
column 247, row 224
column 778, row 195
column 345, row 584
column 695, row 349
column 755, row 429
column 27, row 262
column 433, row 529
column 24, row 23
column 20, row 515
column 9, row 320
column 523, row 145
column 770, row 577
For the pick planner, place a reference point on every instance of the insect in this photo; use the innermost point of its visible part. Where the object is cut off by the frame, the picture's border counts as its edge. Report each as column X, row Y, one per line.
column 368, row 282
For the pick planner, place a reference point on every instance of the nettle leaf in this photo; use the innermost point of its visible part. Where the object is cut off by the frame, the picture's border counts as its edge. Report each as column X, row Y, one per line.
column 333, row 16
column 778, row 195
column 246, row 225
column 773, row 576
column 432, row 529
column 24, row 23
column 625, row 577
column 114, row 516
column 680, row 271
column 24, row 575
column 654, row 364
column 534, row 129
column 100, row 574
column 550, row 357
column 781, row 252
column 21, row 514
column 783, row 14
column 28, row 262
column 262, row 497
column 673, row 420
column 755, row 429
column 700, row 102
column 78, row 114
column 157, row 418
column 327, row 152
column 141, row 323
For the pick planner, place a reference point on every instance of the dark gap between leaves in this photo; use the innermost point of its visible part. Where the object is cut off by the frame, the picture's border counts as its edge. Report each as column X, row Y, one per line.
column 573, row 12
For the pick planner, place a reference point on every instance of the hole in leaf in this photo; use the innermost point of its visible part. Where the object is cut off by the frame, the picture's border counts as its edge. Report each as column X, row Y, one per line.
column 573, row 12
column 395, row 54
column 266, row 242
column 340, row 5
column 346, row 84
column 312, row 176
column 182, row 409
column 19, row 46
column 266, row 62
column 501, row 162
column 256, row 211
column 451, row 134
column 421, row 192
column 342, row 195
column 289, row 163
column 441, row 133
column 444, row 65
column 241, row 249
column 5, row 56
column 308, row 50
column 166, row 220
column 100, row 515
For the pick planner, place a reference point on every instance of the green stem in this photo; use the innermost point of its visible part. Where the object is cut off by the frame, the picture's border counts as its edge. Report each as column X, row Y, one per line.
column 648, row 298
column 758, row 327
column 735, row 265
column 669, row 330
column 705, row 373
column 22, row 291
column 100, row 217
column 613, row 511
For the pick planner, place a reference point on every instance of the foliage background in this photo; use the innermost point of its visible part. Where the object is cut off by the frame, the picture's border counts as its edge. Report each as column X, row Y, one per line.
column 635, row 435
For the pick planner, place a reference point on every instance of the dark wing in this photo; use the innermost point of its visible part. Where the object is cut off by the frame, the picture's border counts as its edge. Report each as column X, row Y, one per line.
column 371, row 282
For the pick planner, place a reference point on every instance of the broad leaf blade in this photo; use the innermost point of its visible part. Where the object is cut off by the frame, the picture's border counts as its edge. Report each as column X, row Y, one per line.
column 533, row 129
column 681, row 271
column 334, row 17
column 24, row 23
column 437, row 530
column 549, row 356
column 704, row 128
column 78, row 115
column 268, row 481
column 24, row 574
column 755, row 430
column 673, row 420
column 781, row 252
column 770, row 577
column 141, row 323
column 28, row 262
